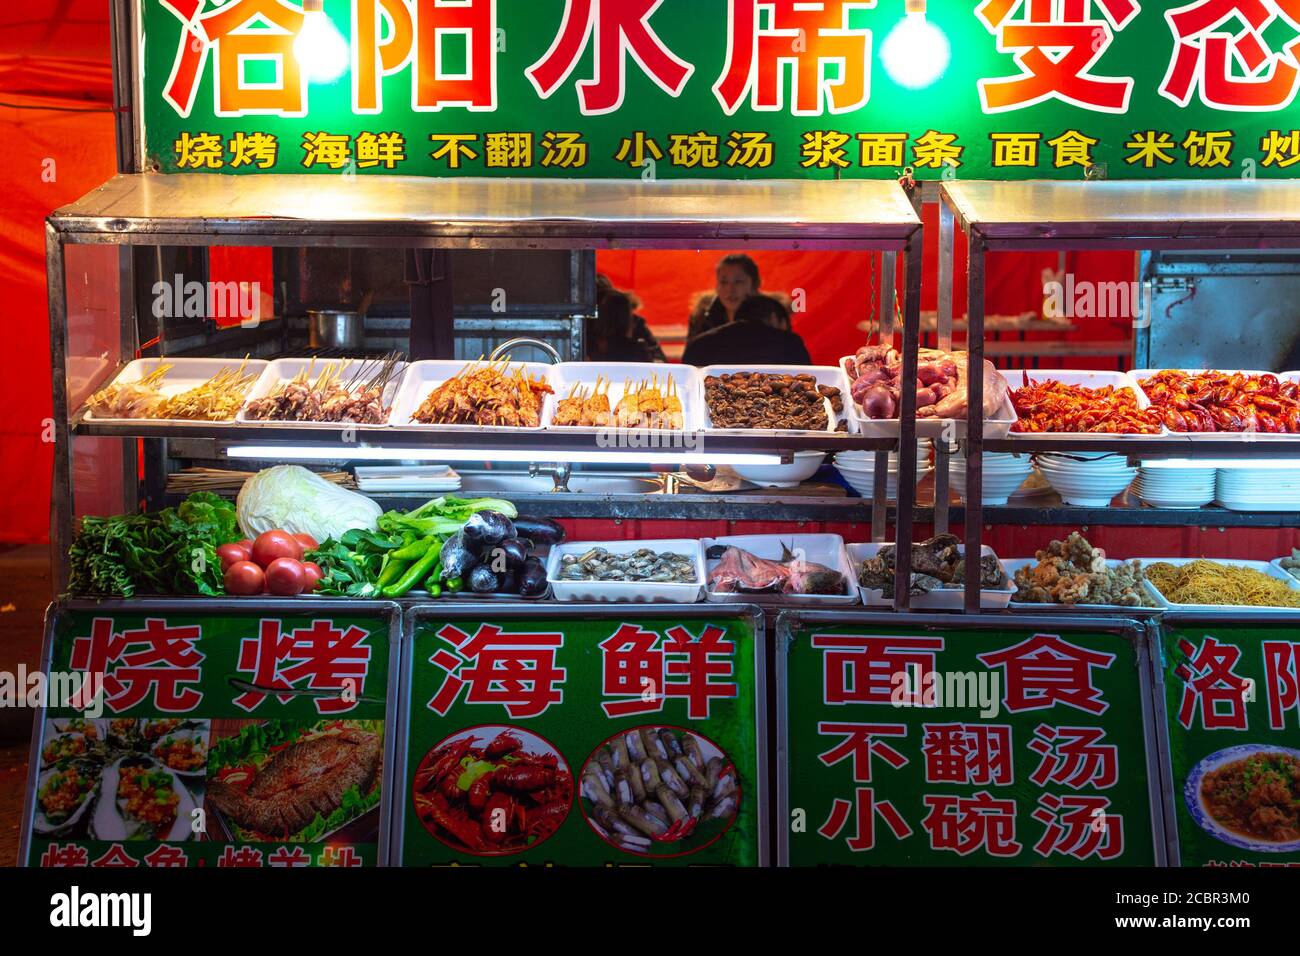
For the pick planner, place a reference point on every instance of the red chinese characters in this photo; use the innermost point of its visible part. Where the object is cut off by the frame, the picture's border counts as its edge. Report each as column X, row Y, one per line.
column 865, row 807
column 963, row 825
column 1281, row 681
column 642, row 672
column 516, row 671
column 975, row 754
column 864, row 669
column 1074, row 757
column 859, row 743
column 157, row 661
column 1045, row 671
column 815, row 38
column 1056, row 44
column 1079, row 826
column 316, row 658
column 620, row 28
column 1221, row 55
column 1212, row 692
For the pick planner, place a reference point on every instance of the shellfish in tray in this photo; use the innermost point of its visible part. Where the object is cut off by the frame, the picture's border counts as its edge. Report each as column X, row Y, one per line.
column 183, row 751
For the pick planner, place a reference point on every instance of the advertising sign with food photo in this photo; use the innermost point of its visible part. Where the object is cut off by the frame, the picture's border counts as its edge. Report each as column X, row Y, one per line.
column 1232, row 698
column 223, row 739
column 571, row 742
column 927, row 745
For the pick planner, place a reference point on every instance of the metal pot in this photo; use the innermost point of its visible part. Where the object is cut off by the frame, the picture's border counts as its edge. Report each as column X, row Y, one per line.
column 334, row 329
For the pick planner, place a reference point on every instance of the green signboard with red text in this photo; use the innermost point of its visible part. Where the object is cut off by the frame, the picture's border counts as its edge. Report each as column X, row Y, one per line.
column 953, row 746
column 1000, row 89
column 1232, row 701
column 599, row 741
column 218, row 739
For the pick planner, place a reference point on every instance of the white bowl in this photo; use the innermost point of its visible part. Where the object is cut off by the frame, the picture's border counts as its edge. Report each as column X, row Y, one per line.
column 804, row 467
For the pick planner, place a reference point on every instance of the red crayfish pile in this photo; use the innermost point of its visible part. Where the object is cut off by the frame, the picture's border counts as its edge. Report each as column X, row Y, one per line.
column 491, row 799
column 1224, row 402
column 1052, row 406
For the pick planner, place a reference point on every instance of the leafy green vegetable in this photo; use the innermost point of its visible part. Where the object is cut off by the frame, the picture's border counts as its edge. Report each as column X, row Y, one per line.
column 171, row 552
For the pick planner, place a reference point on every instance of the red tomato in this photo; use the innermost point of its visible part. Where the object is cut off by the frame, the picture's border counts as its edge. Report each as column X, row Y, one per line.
column 247, row 544
column 314, row 574
column 307, row 541
column 286, row 577
column 231, row 554
column 244, row 578
column 276, row 544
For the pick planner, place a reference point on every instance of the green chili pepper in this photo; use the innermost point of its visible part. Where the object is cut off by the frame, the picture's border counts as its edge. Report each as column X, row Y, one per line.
column 392, row 571
column 414, row 551
column 414, row 575
column 455, row 585
column 434, row 589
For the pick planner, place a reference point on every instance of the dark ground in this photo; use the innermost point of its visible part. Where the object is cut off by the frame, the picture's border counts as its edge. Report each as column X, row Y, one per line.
column 25, row 591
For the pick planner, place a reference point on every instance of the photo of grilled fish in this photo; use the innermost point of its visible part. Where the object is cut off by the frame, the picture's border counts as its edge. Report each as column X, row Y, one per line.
column 301, row 781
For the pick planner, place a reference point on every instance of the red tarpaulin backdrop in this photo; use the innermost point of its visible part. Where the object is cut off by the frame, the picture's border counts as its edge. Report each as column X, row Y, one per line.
column 57, row 126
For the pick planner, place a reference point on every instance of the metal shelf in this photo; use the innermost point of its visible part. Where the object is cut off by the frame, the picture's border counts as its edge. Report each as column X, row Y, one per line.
column 1149, row 448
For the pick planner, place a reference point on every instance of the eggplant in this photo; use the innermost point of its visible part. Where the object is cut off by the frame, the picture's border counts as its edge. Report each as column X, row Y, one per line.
column 487, row 529
column 541, row 531
column 516, row 551
column 482, row 580
column 532, row 579
column 508, row 583
column 456, row 557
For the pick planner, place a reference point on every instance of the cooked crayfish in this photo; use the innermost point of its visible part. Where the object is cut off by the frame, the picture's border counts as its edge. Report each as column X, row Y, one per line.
column 1224, row 402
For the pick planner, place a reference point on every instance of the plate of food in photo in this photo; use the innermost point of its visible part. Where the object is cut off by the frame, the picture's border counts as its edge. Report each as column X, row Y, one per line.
column 1248, row 797
column 183, row 751
column 142, row 800
column 63, row 796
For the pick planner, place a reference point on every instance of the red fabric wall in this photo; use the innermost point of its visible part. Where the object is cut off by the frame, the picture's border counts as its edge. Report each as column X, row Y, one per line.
column 54, row 57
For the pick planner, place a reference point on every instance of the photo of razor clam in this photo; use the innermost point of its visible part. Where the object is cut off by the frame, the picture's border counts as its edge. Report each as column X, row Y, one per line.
column 659, row 791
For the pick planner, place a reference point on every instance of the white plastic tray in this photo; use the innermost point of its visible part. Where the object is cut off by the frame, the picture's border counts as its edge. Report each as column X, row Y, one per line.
column 185, row 374
column 639, row 592
column 1264, row 567
column 282, row 371
column 1085, row 379
column 1139, row 374
column 423, row 377
column 1012, row 565
column 997, row 427
column 825, row 375
column 618, row 374
column 826, row 549
column 1277, row 564
column 946, row 599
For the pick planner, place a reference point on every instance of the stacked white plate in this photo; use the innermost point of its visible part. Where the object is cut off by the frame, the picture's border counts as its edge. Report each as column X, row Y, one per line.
column 1175, row 485
column 1087, row 479
column 1003, row 475
column 431, row 478
column 859, row 469
column 1259, row 489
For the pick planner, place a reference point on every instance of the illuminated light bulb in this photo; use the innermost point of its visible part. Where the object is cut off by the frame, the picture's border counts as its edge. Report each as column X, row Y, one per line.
column 319, row 48
column 916, row 52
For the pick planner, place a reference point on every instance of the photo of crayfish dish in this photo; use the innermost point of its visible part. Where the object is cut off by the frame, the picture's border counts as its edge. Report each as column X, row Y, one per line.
column 659, row 791
column 492, row 791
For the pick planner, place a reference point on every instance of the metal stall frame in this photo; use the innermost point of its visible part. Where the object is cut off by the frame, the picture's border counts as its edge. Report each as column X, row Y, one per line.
column 1134, row 631
column 508, row 611
column 145, row 209
column 1037, row 215
column 287, row 607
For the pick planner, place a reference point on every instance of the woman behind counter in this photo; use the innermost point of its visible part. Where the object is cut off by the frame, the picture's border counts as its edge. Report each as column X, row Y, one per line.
column 760, row 335
column 619, row 333
column 737, row 280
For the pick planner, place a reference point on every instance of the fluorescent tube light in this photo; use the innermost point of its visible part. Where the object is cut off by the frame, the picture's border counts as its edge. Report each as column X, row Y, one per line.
column 612, row 457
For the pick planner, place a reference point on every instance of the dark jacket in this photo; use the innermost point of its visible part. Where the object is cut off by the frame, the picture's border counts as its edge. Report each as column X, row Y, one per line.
column 706, row 319
column 746, row 343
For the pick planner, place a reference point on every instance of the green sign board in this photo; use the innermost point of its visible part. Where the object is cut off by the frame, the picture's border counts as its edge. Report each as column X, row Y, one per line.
column 1232, row 700
column 601, row 741
column 1003, row 89
column 951, row 746
column 214, row 739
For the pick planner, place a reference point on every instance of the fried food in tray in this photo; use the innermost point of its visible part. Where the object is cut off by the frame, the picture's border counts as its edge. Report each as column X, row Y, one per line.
column 1224, row 402
column 793, row 402
column 345, row 392
column 216, row 400
column 1053, row 407
column 1073, row 572
column 489, row 395
column 643, row 405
